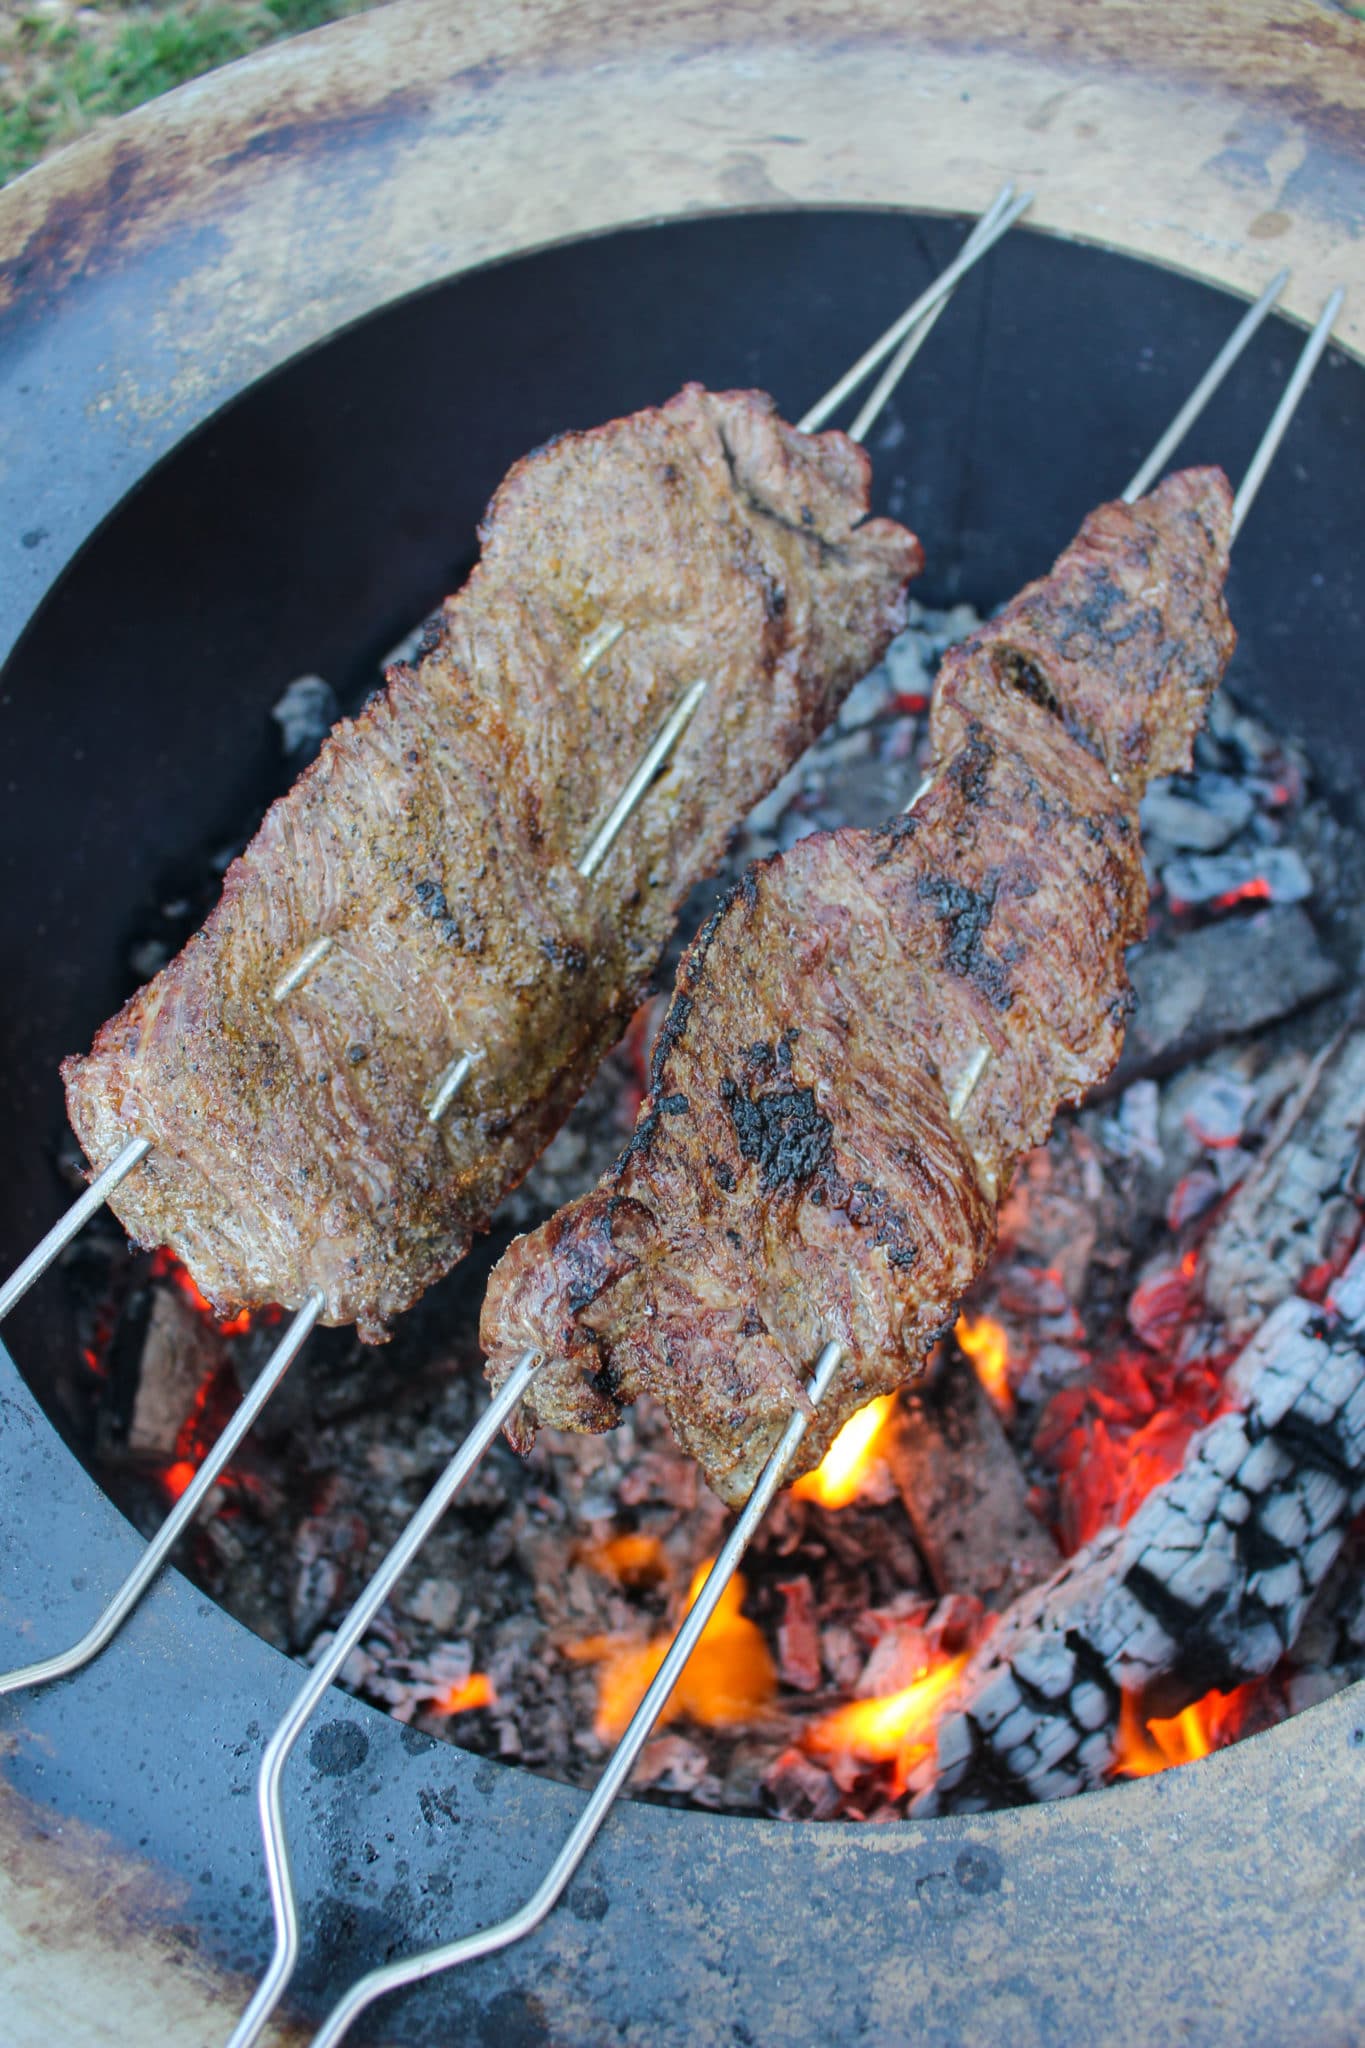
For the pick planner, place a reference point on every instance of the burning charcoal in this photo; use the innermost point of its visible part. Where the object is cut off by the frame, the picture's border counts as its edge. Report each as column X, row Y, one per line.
column 326, row 1550
column 1193, row 1195
column 1033, row 1291
column 1310, row 1688
column 436, row 1602
column 941, row 630
column 1160, row 1302
column 964, row 1492
column 908, row 665
column 182, row 1353
column 1216, row 1113
column 1050, row 1221
column 1206, row 1586
column 1271, row 874
column 1232, row 1166
column 746, row 1774
column 670, row 1763
column 841, row 1654
column 798, row 1643
column 1197, row 813
column 1293, row 1221
column 867, row 700
column 305, row 715
column 898, row 1659
column 1050, row 1365
column 1201, row 988
column 799, row 1790
column 1134, row 1132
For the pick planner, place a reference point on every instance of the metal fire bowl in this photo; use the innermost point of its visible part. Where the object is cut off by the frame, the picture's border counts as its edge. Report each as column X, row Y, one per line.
column 147, row 278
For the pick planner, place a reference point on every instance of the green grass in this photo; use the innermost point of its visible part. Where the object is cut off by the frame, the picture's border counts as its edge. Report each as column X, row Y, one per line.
column 67, row 68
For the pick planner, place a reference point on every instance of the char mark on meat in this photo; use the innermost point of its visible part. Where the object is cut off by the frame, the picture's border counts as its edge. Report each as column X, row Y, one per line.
column 434, row 842
column 839, row 1179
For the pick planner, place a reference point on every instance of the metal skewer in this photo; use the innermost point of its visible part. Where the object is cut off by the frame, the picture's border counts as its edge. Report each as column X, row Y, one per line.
column 279, row 1872
column 1284, row 412
column 995, row 222
column 77, row 1216
column 1205, row 388
column 1175, row 433
column 619, row 1767
column 601, row 844
column 112, row 1617
column 1004, row 210
column 466, row 1949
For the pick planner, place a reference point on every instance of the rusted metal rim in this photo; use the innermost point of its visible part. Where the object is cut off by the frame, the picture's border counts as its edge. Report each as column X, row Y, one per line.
column 145, row 279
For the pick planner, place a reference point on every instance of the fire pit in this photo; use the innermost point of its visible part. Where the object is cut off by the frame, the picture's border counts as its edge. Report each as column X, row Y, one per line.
column 281, row 527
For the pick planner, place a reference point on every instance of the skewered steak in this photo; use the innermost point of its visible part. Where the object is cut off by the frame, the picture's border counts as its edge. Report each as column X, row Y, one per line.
column 435, row 840
column 877, row 1025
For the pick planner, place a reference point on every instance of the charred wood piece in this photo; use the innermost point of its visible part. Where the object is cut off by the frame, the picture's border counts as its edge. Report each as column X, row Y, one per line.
column 1291, row 1216
column 183, row 1350
column 1207, row 1585
column 964, row 1492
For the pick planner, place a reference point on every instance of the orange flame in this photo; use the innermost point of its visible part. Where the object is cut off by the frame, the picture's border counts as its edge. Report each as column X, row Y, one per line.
column 838, row 1479
column 166, row 1265
column 898, row 1729
column 726, row 1683
column 632, row 1559
column 985, row 1343
column 1146, row 1746
column 476, row 1691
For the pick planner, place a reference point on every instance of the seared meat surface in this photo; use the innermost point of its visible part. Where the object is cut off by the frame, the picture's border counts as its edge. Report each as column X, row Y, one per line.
column 434, row 844
column 878, row 1025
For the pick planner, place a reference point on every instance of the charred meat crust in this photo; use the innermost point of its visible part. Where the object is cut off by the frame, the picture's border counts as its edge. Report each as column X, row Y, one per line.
column 820, row 1184
column 434, row 843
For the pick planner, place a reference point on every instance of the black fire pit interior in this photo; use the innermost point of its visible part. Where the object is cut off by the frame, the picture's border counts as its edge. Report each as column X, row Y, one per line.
column 307, row 528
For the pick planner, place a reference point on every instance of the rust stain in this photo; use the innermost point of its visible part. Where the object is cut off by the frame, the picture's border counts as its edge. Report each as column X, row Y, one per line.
column 93, row 1942
column 114, row 195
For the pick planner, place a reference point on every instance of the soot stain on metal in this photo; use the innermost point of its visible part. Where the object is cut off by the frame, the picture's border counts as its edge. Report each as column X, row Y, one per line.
column 337, row 1748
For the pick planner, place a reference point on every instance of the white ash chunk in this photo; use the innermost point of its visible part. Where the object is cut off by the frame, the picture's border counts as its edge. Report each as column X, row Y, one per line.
column 1197, row 813
column 305, row 714
column 1207, row 1586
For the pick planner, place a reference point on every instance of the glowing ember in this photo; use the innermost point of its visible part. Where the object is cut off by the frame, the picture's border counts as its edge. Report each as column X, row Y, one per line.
column 1256, row 890
column 727, row 1682
column 165, row 1265
column 898, row 1730
column 176, row 1478
column 987, row 1346
column 1110, row 1443
column 1148, row 1746
column 476, row 1691
column 632, row 1559
column 840, row 1476
column 215, row 1400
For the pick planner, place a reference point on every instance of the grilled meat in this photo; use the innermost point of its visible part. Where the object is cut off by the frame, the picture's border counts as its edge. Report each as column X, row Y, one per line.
column 434, row 844
column 878, row 1024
